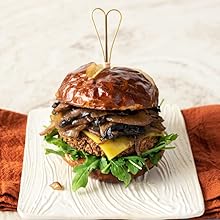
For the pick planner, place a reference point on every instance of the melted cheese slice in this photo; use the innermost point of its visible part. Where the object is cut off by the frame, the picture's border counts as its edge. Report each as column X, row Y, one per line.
column 111, row 148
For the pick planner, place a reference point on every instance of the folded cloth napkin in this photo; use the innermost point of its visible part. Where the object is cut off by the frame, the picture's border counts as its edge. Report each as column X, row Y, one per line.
column 203, row 126
column 12, row 135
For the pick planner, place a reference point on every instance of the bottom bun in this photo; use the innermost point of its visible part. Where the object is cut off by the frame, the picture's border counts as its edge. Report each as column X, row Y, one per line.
column 96, row 174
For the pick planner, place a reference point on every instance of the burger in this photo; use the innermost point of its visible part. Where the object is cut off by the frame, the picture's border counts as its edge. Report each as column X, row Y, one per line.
column 105, row 123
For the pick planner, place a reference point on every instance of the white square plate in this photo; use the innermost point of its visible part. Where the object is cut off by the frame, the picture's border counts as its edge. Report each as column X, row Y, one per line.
column 168, row 191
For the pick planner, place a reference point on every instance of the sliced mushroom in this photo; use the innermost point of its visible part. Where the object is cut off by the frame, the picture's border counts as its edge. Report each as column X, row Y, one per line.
column 112, row 130
column 104, row 128
column 139, row 119
column 97, row 114
column 74, row 132
column 66, row 124
column 62, row 107
column 55, row 104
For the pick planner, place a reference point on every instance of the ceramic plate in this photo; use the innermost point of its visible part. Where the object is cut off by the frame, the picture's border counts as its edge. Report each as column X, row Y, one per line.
column 168, row 191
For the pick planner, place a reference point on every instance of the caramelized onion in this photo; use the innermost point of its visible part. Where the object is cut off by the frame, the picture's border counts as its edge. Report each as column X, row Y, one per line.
column 56, row 186
column 49, row 129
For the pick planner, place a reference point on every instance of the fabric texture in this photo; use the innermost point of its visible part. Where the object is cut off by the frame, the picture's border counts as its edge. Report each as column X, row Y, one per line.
column 203, row 127
column 12, row 138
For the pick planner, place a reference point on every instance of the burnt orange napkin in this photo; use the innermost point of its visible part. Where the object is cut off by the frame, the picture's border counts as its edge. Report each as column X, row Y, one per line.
column 203, row 126
column 12, row 135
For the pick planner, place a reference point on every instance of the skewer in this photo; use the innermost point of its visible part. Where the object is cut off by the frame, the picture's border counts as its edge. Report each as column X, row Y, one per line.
column 106, row 54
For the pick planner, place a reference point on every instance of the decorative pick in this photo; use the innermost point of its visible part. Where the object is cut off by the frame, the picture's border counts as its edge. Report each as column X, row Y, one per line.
column 106, row 54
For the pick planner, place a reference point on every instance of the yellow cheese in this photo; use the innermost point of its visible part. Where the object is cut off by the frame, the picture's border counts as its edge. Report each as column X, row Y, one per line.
column 111, row 148
column 92, row 136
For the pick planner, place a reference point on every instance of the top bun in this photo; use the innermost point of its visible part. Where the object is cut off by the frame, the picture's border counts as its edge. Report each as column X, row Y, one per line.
column 117, row 88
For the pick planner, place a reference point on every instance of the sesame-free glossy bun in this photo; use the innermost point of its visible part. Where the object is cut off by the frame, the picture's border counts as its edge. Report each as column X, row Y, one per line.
column 116, row 88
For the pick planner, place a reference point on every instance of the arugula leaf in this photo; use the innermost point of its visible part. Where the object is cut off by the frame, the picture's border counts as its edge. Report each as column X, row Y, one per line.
column 120, row 161
column 51, row 151
column 152, row 150
column 104, row 165
column 131, row 168
column 53, row 133
column 136, row 164
column 155, row 158
column 118, row 170
column 168, row 148
column 137, row 159
column 122, row 167
column 56, row 141
column 161, row 145
column 82, row 172
column 167, row 139
column 61, row 144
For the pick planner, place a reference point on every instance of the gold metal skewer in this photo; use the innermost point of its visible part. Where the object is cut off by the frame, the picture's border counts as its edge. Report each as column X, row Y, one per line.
column 107, row 58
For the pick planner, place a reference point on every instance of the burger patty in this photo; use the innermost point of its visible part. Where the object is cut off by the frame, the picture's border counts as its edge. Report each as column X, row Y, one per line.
column 85, row 144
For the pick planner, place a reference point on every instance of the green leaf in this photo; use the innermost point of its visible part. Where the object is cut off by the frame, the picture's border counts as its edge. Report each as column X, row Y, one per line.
column 75, row 156
column 120, row 172
column 167, row 139
column 53, row 133
column 104, row 165
column 136, row 164
column 168, row 148
column 131, row 167
column 122, row 167
column 51, row 151
column 155, row 158
column 61, row 144
column 136, row 158
column 120, row 161
column 152, row 150
column 161, row 145
column 80, row 179
column 56, row 141
column 82, row 172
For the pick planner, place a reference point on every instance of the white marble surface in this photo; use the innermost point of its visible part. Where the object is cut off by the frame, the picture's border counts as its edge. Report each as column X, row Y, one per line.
column 177, row 42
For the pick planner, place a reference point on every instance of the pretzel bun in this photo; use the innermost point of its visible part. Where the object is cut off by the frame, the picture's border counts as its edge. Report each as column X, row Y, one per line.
column 116, row 88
